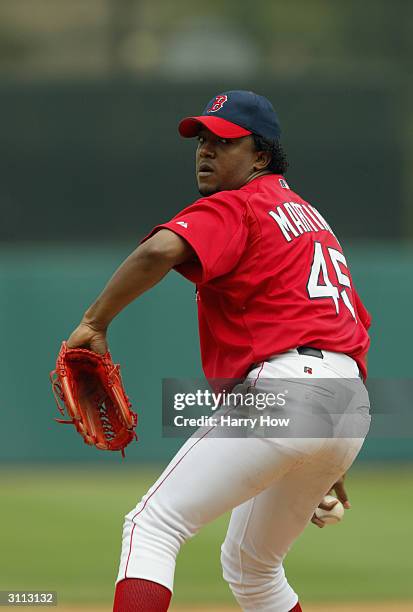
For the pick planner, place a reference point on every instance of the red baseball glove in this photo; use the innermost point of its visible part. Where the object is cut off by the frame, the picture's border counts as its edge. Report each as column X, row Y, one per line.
column 90, row 387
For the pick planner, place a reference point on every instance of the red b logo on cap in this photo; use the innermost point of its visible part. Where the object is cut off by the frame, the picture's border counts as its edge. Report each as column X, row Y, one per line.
column 218, row 104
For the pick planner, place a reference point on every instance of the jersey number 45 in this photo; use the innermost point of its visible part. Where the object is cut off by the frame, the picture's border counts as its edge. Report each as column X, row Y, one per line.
column 319, row 284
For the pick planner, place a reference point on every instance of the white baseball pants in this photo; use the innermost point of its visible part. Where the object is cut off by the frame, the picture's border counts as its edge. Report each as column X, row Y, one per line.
column 272, row 485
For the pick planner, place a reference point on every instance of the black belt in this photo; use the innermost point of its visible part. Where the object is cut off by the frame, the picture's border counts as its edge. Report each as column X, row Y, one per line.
column 310, row 351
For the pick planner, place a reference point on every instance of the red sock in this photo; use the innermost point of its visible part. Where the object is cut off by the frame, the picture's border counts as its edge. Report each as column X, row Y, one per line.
column 136, row 595
column 297, row 608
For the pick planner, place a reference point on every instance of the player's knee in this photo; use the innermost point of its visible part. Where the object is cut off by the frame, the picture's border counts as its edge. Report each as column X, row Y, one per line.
column 256, row 583
column 245, row 571
column 231, row 562
column 153, row 523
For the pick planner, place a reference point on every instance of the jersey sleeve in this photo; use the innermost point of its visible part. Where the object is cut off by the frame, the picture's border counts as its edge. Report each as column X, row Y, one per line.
column 216, row 229
column 363, row 314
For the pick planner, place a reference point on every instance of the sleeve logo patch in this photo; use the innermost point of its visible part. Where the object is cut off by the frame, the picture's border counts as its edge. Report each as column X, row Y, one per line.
column 283, row 183
column 183, row 223
column 217, row 104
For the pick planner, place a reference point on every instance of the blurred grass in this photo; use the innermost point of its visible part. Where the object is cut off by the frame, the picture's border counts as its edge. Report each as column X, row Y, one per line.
column 61, row 530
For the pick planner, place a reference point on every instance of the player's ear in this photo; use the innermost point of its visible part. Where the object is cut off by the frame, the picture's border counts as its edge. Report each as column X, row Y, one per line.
column 262, row 160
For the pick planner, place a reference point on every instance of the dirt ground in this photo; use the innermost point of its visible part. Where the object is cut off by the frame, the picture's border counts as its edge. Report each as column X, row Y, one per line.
column 349, row 607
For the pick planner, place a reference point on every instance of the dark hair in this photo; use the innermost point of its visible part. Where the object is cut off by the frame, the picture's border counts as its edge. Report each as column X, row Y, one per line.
column 279, row 163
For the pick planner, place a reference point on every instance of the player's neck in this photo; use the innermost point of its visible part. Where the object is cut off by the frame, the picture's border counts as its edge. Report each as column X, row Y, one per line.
column 257, row 174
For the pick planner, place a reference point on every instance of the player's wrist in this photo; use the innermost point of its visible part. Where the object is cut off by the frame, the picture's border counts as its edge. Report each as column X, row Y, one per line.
column 95, row 322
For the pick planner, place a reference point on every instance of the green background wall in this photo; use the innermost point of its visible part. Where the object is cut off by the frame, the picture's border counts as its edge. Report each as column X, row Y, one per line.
column 44, row 291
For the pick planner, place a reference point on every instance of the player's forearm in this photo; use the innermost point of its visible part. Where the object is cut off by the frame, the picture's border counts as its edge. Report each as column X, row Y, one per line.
column 136, row 275
column 143, row 269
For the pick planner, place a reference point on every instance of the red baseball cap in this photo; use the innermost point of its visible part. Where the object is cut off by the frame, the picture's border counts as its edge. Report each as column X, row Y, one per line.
column 233, row 114
column 190, row 126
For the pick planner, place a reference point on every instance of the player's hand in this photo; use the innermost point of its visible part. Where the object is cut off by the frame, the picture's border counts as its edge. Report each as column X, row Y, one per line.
column 342, row 496
column 341, row 493
column 324, row 506
column 86, row 336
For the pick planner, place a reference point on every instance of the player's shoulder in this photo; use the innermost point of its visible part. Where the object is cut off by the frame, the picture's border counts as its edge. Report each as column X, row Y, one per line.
column 274, row 185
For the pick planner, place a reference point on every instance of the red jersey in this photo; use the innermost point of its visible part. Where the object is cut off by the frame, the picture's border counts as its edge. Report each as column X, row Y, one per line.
column 270, row 276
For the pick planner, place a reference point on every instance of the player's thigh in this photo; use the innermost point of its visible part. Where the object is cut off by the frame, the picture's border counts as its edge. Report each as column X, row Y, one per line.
column 210, row 476
column 262, row 529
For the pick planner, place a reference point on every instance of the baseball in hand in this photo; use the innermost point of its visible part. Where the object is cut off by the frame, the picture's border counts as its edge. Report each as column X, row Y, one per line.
column 330, row 517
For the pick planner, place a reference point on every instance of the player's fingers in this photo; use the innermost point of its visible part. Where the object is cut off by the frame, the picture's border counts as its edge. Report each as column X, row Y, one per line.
column 342, row 494
column 328, row 505
column 86, row 337
column 316, row 521
column 76, row 339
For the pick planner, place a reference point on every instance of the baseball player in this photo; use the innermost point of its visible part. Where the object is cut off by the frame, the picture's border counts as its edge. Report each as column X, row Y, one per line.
column 275, row 301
